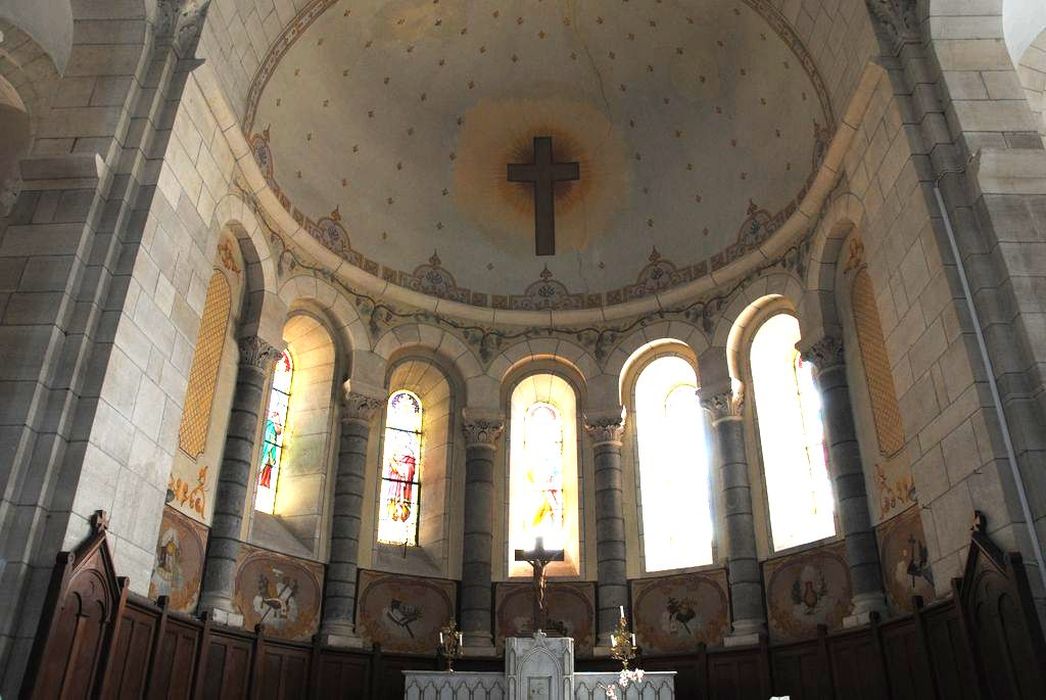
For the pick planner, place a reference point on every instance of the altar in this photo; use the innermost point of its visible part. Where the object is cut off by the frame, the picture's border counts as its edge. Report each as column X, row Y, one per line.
column 537, row 668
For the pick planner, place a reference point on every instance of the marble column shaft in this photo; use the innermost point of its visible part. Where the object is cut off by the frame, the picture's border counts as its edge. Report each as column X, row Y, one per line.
column 844, row 462
column 339, row 593
column 739, row 544
column 611, row 574
column 481, row 437
column 257, row 358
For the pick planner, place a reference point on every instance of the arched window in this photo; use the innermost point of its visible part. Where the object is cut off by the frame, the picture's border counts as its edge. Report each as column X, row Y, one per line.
column 543, row 470
column 401, row 470
column 673, row 466
column 791, row 434
column 274, row 434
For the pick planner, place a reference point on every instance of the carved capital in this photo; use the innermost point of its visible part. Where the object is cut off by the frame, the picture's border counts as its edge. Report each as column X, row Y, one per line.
column 895, row 20
column 723, row 404
column 605, row 429
column 825, row 354
column 360, row 408
column 482, row 430
column 257, row 353
column 181, row 21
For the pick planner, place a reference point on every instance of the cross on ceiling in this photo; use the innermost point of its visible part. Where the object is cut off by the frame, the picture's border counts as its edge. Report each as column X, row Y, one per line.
column 544, row 173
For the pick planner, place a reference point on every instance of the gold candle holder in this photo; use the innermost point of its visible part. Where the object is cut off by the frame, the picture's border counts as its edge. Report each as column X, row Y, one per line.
column 449, row 643
column 623, row 645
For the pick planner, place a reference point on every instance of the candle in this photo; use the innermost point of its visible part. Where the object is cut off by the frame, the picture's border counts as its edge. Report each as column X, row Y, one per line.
column 441, row 639
column 633, row 639
column 459, row 639
column 622, row 609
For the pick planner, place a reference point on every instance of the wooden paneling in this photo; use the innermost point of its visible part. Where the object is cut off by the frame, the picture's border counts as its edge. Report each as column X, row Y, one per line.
column 131, row 650
column 94, row 642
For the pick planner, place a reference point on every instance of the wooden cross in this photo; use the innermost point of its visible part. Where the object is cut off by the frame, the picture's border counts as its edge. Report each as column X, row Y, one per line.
column 544, row 173
column 539, row 558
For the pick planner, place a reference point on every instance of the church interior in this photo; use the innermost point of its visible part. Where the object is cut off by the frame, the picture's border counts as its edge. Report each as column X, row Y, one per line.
column 347, row 342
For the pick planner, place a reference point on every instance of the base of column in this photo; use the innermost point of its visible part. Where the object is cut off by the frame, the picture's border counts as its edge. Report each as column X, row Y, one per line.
column 340, row 634
column 477, row 645
column 228, row 618
column 864, row 605
column 745, row 633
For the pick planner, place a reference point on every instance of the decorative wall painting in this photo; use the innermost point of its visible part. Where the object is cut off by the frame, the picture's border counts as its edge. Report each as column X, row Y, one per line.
column 403, row 614
column 807, row 589
column 283, row 593
column 179, row 561
column 674, row 614
column 571, row 612
column 905, row 560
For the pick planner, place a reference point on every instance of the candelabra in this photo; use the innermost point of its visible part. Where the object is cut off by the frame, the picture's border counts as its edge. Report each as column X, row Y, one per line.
column 623, row 645
column 449, row 643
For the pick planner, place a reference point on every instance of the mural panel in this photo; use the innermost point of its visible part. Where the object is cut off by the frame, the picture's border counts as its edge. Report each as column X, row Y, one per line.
column 806, row 590
column 675, row 613
column 571, row 612
column 179, row 561
column 283, row 593
column 905, row 560
column 403, row 613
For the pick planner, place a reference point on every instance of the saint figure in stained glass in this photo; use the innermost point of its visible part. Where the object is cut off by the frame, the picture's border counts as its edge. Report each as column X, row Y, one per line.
column 401, row 466
column 543, row 446
column 273, row 434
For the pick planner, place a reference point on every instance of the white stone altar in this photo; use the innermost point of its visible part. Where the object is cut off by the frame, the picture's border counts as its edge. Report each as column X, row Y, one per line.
column 536, row 668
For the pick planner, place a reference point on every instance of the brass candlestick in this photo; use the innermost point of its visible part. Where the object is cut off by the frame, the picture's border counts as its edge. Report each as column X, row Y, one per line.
column 623, row 645
column 449, row 643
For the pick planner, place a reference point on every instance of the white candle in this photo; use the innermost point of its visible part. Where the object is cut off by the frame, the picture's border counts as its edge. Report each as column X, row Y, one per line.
column 622, row 609
column 633, row 639
column 441, row 639
column 459, row 639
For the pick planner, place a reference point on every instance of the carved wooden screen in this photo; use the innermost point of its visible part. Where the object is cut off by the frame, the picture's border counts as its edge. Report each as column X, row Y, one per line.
column 82, row 609
column 1001, row 622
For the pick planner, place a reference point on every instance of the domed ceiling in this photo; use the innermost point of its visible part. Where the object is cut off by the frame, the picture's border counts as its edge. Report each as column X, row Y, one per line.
column 386, row 128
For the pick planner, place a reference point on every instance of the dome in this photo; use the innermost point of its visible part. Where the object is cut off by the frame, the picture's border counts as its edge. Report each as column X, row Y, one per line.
column 386, row 130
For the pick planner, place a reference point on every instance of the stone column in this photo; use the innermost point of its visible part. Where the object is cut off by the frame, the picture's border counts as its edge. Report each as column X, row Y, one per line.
column 481, row 437
column 739, row 546
column 605, row 431
column 339, row 588
column 257, row 358
column 844, row 464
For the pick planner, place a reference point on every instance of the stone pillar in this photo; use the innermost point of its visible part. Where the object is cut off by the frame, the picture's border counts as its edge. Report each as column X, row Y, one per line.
column 481, row 437
column 605, row 431
column 844, row 464
column 339, row 589
column 257, row 358
column 739, row 546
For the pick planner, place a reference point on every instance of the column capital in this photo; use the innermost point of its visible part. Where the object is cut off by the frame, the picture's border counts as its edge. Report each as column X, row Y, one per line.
column 360, row 408
column 725, row 403
column 258, row 353
column 605, row 428
column 482, row 428
column 825, row 354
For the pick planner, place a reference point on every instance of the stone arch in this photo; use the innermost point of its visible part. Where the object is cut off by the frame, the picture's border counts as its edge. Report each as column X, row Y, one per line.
column 678, row 330
column 448, row 348
column 28, row 79
column 50, row 21
column 818, row 309
column 771, row 284
column 1023, row 23
column 305, row 290
column 1031, row 71
column 558, row 349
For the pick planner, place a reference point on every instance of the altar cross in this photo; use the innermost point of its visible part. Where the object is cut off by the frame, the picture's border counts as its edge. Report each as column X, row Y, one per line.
column 544, row 173
column 539, row 558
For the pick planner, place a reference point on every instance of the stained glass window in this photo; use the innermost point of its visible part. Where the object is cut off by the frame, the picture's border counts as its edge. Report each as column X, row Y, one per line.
column 274, row 434
column 401, row 470
column 673, row 466
column 791, row 432
column 542, row 509
column 543, row 474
